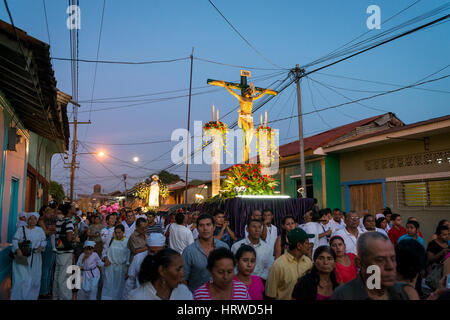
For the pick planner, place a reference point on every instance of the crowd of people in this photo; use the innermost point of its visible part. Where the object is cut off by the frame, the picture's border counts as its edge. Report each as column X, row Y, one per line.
column 131, row 255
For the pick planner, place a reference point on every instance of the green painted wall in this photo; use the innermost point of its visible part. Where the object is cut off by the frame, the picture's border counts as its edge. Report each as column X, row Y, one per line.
column 317, row 182
column 333, row 176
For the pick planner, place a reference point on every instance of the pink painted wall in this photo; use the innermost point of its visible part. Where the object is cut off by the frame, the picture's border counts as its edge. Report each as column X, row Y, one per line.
column 14, row 167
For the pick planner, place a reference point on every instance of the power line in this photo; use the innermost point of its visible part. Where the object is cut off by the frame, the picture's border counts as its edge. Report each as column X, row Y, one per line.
column 260, row 78
column 349, row 99
column 96, row 65
column 46, row 23
column 242, row 37
column 120, row 62
column 382, row 43
column 361, row 35
column 375, row 82
column 314, row 105
column 365, row 98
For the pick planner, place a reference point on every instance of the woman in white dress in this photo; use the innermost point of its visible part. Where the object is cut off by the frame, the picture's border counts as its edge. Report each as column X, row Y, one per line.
column 89, row 261
column 26, row 278
column 115, row 256
column 161, row 277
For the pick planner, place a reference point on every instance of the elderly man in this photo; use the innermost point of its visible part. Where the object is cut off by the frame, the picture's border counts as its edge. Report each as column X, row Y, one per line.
column 350, row 233
column 374, row 250
column 263, row 251
column 155, row 243
column 138, row 240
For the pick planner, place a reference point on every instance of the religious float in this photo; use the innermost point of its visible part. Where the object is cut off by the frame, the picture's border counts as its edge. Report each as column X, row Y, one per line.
column 247, row 186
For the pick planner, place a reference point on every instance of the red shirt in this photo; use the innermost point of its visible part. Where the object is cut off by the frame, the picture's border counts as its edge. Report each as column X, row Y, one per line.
column 346, row 274
column 394, row 234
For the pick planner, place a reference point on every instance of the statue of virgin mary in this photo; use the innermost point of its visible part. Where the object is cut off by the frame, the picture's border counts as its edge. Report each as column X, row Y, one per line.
column 154, row 192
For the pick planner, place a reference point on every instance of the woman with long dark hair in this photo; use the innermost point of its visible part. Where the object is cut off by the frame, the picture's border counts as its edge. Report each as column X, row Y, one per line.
column 281, row 244
column 320, row 282
column 160, row 278
column 345, row 269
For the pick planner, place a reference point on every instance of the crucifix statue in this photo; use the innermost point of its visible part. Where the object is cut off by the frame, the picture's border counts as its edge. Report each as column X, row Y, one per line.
column 246, row 99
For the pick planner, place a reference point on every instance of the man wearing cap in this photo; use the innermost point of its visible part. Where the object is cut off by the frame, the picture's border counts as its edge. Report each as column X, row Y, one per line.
column 155, row 243
column 290, row 266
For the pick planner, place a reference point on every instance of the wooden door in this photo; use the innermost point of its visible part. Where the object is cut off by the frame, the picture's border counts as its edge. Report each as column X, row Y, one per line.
column 366, row 197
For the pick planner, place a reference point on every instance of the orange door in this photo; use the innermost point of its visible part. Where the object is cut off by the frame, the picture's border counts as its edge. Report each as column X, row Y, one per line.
column 366, row 197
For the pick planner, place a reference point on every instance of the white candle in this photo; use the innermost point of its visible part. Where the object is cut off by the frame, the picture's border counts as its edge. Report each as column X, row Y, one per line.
column 266, row 120
column 217, row 115
column 213, row 113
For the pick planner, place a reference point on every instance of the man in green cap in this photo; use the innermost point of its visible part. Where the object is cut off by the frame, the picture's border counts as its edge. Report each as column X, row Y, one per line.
column 290, row 266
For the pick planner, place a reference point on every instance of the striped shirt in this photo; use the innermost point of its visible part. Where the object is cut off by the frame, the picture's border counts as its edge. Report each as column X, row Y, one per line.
column 239, row 292
column 156, row 228
column 62, row 227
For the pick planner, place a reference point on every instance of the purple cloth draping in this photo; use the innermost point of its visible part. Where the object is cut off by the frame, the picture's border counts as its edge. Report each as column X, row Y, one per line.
column 238, row 210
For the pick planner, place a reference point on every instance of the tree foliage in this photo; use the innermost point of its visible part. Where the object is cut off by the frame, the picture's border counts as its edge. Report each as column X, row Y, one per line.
column 57, row 191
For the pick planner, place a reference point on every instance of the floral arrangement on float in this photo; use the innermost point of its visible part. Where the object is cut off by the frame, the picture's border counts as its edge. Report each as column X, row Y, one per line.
column 247, row 179
column 215, row 128
column 265, row 143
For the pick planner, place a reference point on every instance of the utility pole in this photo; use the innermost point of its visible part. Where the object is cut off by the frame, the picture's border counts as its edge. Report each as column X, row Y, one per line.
column 298, row 73
column 126, row 191
column 73, row 164
column 188, row 135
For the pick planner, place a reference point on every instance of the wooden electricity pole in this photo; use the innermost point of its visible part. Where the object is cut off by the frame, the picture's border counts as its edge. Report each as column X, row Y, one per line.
column 188, row 132
column 298, row 73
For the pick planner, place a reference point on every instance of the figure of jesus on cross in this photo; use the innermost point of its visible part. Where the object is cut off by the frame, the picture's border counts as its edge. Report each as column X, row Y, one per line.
column 246, row 98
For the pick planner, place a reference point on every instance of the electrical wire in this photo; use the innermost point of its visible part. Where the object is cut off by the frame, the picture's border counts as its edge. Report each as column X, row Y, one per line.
column 366, row 98
column 242, row 37
column 314, row 106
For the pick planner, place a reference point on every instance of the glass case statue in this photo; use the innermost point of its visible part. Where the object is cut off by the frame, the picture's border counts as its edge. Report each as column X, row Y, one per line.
column 154, row 192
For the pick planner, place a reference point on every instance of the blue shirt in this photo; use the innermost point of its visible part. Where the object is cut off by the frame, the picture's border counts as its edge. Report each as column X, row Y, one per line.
column 226, row 236
column 195, row 262
column 407, row 237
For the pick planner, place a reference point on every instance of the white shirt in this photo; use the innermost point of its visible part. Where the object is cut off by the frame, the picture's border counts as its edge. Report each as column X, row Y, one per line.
column 148, row 292
column 194, row 231
column 132, row 281
column 271, row 238
column 142, row 215
column 263, row 256
column 335, row 226
column 349, row 239
column 363, row 229
column 313, row 228
column 272, row 234
column 129, row 230
column 324, row 228
column 180, row 237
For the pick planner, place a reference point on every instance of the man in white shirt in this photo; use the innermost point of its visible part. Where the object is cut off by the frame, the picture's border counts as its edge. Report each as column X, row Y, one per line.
column 313, row 227
column 350, row 233
column 369, row 225
column 179, row 235
column 263, row 252
column 129, row 224
column 140, row 214
column 272, row 231
column 337, row 222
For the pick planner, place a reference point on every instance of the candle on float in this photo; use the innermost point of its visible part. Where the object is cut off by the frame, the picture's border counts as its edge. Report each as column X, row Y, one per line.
column 213, row 113
column 265, row 123
column 261, row 121
column 217, row 115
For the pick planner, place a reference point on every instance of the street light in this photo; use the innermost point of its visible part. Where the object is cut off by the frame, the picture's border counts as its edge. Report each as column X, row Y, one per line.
column 135, row 159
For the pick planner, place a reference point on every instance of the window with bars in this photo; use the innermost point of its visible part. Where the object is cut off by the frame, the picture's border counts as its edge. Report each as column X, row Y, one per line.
column 432, row 193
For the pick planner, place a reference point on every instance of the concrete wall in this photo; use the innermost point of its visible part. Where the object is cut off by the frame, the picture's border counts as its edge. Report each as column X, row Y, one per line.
column 352, row 166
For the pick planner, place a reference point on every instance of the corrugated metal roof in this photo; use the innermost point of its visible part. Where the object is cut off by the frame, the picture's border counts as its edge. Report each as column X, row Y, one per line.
column 32, row 93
